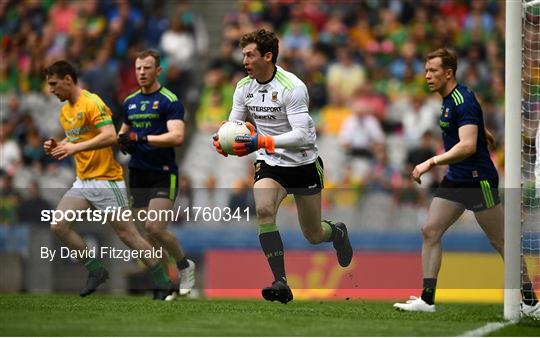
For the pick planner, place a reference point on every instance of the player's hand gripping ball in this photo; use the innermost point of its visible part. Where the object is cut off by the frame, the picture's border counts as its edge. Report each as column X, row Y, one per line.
column 225, row 137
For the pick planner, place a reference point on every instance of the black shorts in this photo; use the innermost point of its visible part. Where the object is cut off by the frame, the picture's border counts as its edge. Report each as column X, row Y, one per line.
column 303, row 180
column 145, row 185
column 474, row 195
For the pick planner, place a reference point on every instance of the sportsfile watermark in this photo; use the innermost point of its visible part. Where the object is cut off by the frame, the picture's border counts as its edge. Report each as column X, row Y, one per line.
column 116, row 214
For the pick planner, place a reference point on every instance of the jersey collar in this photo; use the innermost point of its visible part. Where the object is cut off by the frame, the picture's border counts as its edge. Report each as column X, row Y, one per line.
column 152, row 93
column 273, row 75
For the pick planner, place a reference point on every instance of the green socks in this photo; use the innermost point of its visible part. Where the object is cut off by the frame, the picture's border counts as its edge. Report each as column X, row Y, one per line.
column 92, row 264
column 159, row 275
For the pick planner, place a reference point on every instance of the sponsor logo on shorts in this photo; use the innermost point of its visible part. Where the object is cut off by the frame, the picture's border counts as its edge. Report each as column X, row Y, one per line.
column 312, row 186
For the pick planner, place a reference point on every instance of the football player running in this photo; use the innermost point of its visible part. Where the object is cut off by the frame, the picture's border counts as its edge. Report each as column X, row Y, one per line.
column 100, row 183
column 287, row 161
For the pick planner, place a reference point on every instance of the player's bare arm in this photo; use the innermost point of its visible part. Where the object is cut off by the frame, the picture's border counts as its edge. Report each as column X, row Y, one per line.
column 174, row 137
column 106, row 136
column 468, row 135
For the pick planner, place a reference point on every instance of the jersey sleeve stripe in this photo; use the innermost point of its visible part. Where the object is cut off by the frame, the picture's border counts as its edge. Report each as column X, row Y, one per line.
column 168, row 94
column 285, row 82
column 456, row 99
column 460, row 97
column 131, row 95
column 103, row 123
column 243, row 82
column 287, row 79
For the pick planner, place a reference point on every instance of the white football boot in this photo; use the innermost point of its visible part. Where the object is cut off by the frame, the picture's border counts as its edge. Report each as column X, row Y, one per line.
column 530, row 311
column 415, row 304
column 187, row 278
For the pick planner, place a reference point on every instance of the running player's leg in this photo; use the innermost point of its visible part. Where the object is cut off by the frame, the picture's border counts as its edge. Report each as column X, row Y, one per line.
column 492, row 223
column 315, row 231
column 157, row 229
column 140, row 189
column 141, row 226
column 97, row 275
column 441, row 215
column 159, row 234
column 128, row 234
column 103, row 194
column 268, row 195
column 63, row 229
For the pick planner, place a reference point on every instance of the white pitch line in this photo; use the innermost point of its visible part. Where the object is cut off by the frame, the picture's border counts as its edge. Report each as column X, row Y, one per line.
column 486, row 329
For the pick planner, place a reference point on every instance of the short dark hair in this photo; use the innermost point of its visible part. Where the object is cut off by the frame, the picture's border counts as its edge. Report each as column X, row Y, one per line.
column 448, row 58
column 266, row 41
column 62, row 68
column 149, row 52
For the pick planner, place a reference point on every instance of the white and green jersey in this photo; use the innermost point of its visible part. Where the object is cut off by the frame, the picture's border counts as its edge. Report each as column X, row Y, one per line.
column 273, row 106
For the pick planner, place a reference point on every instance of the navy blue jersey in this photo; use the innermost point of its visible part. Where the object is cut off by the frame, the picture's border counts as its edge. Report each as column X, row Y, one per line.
column 148, row 114
column 460, row 108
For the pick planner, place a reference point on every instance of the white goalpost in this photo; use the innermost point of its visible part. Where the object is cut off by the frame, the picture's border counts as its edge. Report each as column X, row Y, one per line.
column 522, row 113
column 512, row 155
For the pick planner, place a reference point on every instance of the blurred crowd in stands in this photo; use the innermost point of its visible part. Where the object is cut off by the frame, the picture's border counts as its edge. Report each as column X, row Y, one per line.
column 362, row 61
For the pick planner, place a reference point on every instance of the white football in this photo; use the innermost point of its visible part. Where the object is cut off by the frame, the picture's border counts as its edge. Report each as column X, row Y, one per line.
column 227, row 133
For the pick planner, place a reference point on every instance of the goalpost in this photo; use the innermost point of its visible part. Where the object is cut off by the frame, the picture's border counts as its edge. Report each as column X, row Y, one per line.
column 522, row 112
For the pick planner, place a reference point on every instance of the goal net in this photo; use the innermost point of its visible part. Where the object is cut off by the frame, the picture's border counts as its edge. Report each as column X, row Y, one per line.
column 530, row 154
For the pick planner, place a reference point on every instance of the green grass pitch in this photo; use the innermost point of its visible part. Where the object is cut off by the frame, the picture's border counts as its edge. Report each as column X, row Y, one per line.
column 99, row 315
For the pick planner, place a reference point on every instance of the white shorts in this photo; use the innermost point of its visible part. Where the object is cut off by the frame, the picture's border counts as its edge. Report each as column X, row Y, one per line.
column 100, row 193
